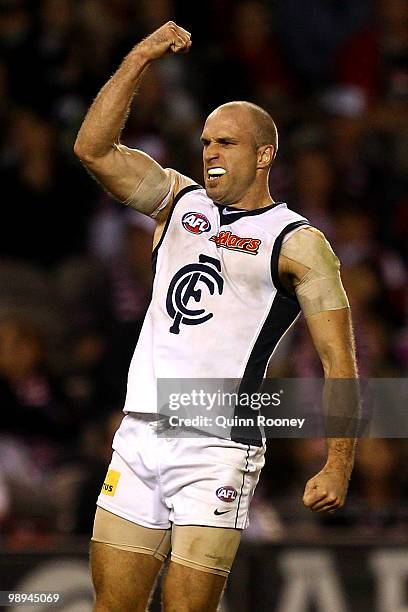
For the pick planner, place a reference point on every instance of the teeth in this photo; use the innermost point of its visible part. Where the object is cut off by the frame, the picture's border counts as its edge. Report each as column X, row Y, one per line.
column 216, row 171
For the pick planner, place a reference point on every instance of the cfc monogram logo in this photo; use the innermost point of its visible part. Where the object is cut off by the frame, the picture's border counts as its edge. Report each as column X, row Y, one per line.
column 185, row 286
column 111, row 482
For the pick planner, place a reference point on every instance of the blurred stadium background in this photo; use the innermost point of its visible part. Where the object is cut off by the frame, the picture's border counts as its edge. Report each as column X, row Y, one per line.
column 75, row 270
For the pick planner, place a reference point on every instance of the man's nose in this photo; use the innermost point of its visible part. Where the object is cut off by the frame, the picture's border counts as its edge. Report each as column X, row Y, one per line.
column 211, row 152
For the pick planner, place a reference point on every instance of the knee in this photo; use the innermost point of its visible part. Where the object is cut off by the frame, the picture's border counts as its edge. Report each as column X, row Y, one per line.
column 173, row 601
column 106, row 602
column 189, row 590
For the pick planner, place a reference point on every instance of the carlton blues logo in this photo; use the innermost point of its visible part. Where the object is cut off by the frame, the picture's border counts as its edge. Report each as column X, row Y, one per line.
column 196, row 223
column 226, row 494
column 186, row 287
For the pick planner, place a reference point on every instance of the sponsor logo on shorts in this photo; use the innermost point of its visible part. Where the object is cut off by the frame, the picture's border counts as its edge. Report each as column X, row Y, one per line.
column 232, row 242
column 219, row 512
column 111, row 482
column 196, row 223
column 226, row 494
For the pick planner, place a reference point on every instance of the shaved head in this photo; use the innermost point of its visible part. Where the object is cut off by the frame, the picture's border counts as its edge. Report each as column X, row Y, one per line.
column 264, row 128
column 239, row 145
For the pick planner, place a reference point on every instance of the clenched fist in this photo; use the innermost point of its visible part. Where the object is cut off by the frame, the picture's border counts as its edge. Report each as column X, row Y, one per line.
column 326, row 491
column 169, row 38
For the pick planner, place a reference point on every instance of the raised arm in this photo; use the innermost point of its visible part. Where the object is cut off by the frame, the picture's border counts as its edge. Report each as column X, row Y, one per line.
column 128, row 174
column 308, row 265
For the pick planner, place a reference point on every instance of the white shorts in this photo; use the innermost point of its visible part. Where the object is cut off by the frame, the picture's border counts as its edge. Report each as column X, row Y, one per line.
column 156, row 481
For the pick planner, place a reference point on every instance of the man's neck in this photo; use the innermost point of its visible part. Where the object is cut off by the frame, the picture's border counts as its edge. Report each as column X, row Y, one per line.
column 253, row 199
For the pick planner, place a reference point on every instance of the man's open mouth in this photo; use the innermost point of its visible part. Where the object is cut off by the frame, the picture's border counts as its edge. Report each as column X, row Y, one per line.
column 214, row 173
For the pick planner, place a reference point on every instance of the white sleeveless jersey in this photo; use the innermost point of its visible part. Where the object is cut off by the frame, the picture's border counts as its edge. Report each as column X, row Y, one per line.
column 218, row 309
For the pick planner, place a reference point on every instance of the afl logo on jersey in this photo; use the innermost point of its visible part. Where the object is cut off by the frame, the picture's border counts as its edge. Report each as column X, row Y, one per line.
column 226, row 494
column 196, row 223
column 187, row 286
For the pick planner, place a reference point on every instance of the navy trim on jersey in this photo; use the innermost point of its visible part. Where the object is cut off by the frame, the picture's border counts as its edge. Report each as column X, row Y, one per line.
column 176, row 199
column 242, row 486
column 285, row 308
column 234, row 214
column 275, row 259
column 280, row 317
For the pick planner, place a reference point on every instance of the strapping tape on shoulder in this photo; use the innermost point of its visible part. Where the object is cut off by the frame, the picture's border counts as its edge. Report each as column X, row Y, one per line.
column 321, row 288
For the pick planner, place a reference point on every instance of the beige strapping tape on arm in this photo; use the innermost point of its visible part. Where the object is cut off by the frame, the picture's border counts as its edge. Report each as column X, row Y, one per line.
column 151, row 190
column 321, row 288
column 157, row 189
column 178, row 182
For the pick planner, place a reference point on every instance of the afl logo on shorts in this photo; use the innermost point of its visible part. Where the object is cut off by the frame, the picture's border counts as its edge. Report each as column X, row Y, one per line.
column 226, row 494
column 196, row 223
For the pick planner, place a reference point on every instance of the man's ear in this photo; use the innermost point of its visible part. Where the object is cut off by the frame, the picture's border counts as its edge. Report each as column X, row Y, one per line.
column 266, row 154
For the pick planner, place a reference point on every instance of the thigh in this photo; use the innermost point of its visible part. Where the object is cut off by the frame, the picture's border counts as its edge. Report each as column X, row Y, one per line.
column 123, row 580
column 186, row 589
column 208, row 549
column 200, row 563
column 125, row 561
column 126, row 535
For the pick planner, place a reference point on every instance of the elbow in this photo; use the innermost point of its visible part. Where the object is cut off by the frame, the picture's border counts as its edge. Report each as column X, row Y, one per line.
column 85, row 148
column 81, row 151
column 89, row 154
column 338, row 360
column 344, row 367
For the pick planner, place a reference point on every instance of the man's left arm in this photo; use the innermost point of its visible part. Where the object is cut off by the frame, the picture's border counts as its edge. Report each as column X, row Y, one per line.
column 332, row 336
column 308, row 266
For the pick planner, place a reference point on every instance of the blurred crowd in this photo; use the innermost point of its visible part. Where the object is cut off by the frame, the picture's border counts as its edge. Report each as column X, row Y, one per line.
column 75, row 273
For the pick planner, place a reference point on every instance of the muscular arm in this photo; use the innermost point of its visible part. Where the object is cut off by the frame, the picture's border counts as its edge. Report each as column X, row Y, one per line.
column 128, row 174
column 322, row 298
column 332, row 335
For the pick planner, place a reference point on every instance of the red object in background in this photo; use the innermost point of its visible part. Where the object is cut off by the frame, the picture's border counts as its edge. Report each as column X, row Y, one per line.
column 358, row 62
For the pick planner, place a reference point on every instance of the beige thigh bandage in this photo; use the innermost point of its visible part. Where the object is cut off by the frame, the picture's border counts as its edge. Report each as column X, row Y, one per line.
column 321, row 288
column 123, row 534
column 208, row 549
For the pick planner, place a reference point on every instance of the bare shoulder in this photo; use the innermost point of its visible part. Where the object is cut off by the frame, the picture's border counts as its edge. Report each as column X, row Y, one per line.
column 306, row 235
column 181, row 181
column 313, row 230
column 310, row 269
column 177, row 182
column 307, row 248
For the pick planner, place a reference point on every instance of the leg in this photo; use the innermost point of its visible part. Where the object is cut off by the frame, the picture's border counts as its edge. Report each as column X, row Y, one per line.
column 201, row 561
column 125, row 561
column 189, row 590
column 123, row 580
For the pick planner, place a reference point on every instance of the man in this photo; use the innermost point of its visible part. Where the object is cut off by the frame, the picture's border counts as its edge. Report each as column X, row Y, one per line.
column 221, row 279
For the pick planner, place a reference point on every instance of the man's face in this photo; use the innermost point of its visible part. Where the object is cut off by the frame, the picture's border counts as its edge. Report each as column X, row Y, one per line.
column 229, row 147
